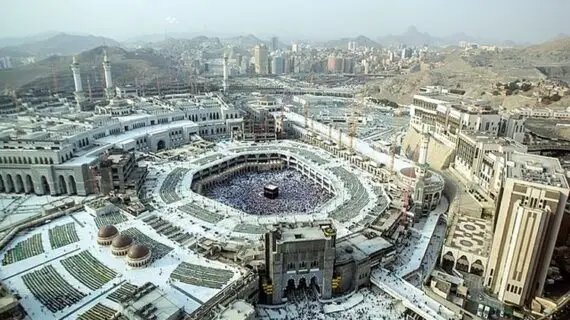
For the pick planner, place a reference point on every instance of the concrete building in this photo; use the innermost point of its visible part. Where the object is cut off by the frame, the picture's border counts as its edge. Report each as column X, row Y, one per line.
column 444, row 114
column 352, row 46
column 274, row 43
column 119, row 173
column 407, row 53
column 559, row 113
column 512, row 126
column 225, row 74
column 150, row 302
column 261, row 57
column 238, row 310
column 356, row 255
column 299, row 257
column 480, row 158
column 527, row 225
column 277, row 65
column 5, row 63
column 348, row 65
column 467, row 245
column 10, row 308
column 258, row 124
column 57, row 155
column 331, row 64
column 295, row 47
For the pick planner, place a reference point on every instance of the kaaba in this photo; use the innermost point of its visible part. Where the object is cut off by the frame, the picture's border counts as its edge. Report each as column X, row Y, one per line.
column 271, row 191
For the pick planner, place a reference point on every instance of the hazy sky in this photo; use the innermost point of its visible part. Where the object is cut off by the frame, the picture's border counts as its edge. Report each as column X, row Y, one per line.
column 519, row 20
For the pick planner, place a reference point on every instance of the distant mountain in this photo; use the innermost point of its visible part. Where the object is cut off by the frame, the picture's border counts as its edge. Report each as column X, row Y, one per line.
column 244, row 42
column 143, row 65
column 411, row 37
column 343, row 42
column 456, row 38
column 187, row 44
column 16, row 41
column 414, row 37
column 179, row 48
column 156, row 37
column 59, row 44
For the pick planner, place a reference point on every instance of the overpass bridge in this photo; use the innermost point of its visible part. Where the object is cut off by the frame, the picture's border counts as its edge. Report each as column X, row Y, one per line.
column 548, row 147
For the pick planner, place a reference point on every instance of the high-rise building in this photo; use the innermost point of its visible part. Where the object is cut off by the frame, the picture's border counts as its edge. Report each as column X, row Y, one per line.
column 5, row 63
column 352, row 46
column 261, row 58
column 274, row 44
column 526, row 228
column 331, row 64
column 277, row 65
column 225, row 73
column 295, row 47
column 407, row 53
column 348, row 65
column 287, row 64
column 366, row 67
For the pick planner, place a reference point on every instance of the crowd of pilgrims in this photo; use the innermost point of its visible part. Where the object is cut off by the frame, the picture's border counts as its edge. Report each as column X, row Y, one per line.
column 297, row 193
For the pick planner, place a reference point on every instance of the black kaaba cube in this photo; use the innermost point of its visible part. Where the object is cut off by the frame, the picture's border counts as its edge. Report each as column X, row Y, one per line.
column 271, row 191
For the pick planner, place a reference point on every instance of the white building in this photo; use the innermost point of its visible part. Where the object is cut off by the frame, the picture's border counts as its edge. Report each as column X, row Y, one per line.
column 480, row 159
column 443, row 114
column 57, row 155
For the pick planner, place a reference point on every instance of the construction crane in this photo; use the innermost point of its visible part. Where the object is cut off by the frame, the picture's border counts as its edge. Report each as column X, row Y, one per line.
column 282, row 121
column 397, row 119
column 306, row 105
column 352, row 124
column 157, row 86
column 355, row 112
column 15, row 99
column 306, row 113
column 54, row 75
column 89, row 91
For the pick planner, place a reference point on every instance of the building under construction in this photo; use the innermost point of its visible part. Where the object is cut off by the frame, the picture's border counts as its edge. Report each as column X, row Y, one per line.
column 120, row 173
column 258, row 125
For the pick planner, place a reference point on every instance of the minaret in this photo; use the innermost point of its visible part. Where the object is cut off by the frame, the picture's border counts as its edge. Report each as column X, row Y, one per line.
column 79, row 96
column 225, row 71
column 421, row 168
column 421, row 174
column 109, row 90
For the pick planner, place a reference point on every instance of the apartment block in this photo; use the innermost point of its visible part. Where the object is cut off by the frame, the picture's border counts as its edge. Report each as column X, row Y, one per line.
column 527, row 226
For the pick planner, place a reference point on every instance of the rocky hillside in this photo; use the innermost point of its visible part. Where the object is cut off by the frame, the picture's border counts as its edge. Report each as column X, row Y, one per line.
column 59, row 44
column 485, row 75
column 126, row 66
column 557, row 51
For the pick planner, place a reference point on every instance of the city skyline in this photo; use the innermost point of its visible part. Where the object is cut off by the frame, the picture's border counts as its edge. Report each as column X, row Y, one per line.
column 304, row 20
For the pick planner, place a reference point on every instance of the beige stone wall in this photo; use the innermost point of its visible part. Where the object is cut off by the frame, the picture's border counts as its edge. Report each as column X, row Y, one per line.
column 439, row 155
